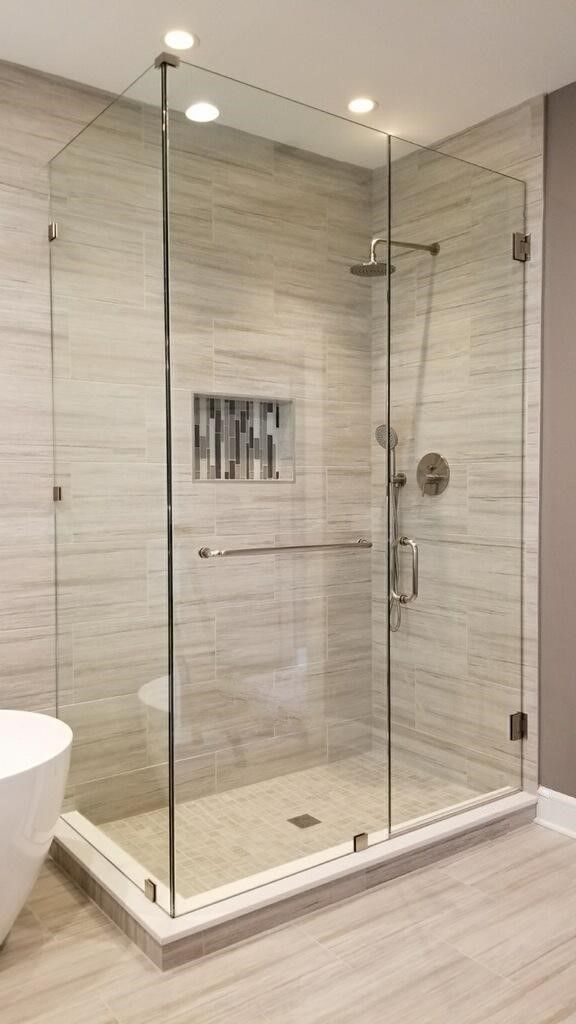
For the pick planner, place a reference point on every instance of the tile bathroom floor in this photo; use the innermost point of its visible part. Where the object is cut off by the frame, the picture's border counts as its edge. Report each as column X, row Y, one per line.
column 487, row 936
column 228, row 836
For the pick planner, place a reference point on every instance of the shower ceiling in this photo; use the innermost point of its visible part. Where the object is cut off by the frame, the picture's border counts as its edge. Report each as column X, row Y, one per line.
column 435, row 68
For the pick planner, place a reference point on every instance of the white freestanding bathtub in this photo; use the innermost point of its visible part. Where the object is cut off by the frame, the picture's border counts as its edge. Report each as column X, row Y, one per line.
column 34, row 759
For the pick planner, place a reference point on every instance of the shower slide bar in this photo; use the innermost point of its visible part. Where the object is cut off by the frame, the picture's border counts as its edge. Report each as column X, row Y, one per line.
column 232, row 552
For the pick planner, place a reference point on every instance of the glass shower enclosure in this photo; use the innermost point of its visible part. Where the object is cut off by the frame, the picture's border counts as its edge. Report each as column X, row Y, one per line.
column 288, row 366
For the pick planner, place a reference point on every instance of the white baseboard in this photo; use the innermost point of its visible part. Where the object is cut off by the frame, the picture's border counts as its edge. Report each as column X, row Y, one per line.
column 556, row 811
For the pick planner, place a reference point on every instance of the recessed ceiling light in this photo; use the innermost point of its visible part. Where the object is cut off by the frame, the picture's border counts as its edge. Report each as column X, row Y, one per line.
column 202, row 112
column 178, row 39
column 362, row 105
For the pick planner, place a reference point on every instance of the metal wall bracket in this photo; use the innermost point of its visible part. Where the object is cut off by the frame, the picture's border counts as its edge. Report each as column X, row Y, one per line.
column 521, row 247
column 360, row 842
column 52, row 230
column 167, row 58
column 150, row 890
column 518, row 725
column 57, row 493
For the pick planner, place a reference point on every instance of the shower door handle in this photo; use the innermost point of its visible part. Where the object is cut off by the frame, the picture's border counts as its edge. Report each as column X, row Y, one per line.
column 409, row 543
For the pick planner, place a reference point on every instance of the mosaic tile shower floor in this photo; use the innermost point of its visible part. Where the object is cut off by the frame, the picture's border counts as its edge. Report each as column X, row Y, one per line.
column 228, row 836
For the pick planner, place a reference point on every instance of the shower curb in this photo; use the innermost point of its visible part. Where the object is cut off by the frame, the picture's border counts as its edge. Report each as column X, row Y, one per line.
column 171, row 942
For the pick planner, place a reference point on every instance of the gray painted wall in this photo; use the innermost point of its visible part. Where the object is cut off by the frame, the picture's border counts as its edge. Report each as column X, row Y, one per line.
column 558, row 547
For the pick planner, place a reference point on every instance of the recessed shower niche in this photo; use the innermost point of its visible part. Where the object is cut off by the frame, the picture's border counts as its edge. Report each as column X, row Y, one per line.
column 244, row 439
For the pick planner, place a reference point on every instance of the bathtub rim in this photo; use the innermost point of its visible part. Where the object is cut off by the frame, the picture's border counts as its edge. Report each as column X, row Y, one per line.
column 47, row 742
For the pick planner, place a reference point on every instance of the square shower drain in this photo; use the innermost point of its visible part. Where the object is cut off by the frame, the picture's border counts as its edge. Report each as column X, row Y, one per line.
column 304, row 821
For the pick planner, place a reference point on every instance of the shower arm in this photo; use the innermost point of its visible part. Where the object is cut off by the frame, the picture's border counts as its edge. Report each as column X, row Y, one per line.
column 433, row 249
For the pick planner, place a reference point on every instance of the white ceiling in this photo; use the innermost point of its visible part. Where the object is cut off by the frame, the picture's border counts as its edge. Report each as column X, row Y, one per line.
column 435, row 66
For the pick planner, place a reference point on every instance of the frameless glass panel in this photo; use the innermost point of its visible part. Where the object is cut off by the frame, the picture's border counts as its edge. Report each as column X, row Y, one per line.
column 110, row 462
column 280, row 718
column 456, row 378
column 311, row 433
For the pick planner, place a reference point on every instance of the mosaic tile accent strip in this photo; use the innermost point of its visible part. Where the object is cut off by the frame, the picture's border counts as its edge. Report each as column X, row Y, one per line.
column 242, row 438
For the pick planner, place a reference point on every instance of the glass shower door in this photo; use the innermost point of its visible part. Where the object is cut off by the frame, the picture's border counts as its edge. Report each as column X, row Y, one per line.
column 456, row 386
column 280, row 741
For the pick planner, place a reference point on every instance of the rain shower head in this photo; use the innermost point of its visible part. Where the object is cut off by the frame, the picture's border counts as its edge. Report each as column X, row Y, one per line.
column 373, row 268
column 378, row 268
column 386, row 436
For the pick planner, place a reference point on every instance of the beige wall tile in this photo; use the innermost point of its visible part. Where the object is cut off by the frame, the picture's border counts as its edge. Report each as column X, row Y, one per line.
column 100, row 421
column 271, row 635
column 265, row 759
column 27, row 658
column 117, row 659
column 109, row 737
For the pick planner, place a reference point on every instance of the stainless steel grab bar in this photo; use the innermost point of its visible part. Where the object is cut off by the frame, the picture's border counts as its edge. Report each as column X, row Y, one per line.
column 407, row 598
column 232, row 552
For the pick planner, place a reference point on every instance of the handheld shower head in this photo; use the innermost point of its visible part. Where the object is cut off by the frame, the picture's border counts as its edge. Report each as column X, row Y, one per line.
column 386, row 436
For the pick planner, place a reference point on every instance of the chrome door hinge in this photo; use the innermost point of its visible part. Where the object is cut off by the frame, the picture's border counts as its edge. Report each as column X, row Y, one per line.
column 518, row 725
column 52, row 230
column 360, row 842
column 57, row 493
column 521, row 247
column 150, row 890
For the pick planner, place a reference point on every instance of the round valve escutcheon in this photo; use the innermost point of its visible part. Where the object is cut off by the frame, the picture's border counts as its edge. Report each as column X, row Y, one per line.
column 433, row 474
